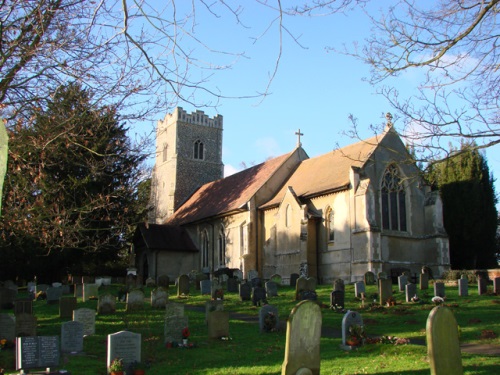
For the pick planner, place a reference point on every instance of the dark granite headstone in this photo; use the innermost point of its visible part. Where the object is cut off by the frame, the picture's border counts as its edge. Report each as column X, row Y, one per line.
column 245, row 292
column 66, row 307
column 71, row 337
column 232, row 285
column 337, row 298
column 259, row 296
column 268, row 318
column 37, row 351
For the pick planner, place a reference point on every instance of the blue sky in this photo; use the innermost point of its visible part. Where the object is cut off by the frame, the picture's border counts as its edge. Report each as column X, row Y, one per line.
column 314, row 90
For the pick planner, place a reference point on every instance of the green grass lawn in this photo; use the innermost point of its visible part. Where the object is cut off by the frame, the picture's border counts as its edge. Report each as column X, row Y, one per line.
column 252, row 352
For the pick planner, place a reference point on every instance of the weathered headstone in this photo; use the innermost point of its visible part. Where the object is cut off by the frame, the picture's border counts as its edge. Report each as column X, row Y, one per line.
column 135, row 300
column 439, row 289
column 205, row 287
column 90, row 291
column 443, row 345
column 125, row 345
column 163, row 281
column 271, row 289
column 174, row 309
column 305, row 288
column 150, row 282
column 268, row 318
column 78, row 290
column 276, row 278
column 25, row 325
column 87, row 318
column 303, row 334
column 37, row 351
column 159, row 298
column 369, row 278
column 54, row 294
column 232, row 285
column 106, row 304
column 463, row 286
column 252, row 274
column 496, row 285
column 293, row 279
column 411, row 291
column 245, row 292
column 218, row 324
column 211, row 306
column 402, row 281
column 384, row 290
column 71, row 337
column 173, row 327
column 424, row 281
column 23, row 306
column 7, row 327
column 238, row 275
column 482, row 286
column 259, row 296
column 183, row 285
column 351, row 318
column 337, row 298
column 359, row 287
column 382, row 275
column 66, row 307
column 338, row 284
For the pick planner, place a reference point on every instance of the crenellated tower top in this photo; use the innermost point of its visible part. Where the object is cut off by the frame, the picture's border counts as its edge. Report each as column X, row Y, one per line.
column 196, row 118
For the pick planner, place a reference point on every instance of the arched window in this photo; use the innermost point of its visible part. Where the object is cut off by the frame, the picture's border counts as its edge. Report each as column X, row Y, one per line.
column 204, row 249
column 198, row 150
column 288, row 216
column 243, row 239
column 222, row 248
column 330, row 230
column 393, row 200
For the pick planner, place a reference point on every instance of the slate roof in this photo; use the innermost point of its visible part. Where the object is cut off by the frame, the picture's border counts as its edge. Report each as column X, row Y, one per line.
column 226, row 195
column 163, row 237
column 327, row 173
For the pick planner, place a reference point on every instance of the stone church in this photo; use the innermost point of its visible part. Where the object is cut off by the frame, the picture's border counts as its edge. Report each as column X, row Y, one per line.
column 360, row 208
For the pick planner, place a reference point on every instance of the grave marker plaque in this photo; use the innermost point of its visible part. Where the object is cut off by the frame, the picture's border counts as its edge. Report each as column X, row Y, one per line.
column 71, row 337
column 125, row 345
column 87, row 318
column 37, row 351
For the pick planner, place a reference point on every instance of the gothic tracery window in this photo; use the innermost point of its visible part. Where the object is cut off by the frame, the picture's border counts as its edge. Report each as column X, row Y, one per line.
column 198, row 150
column 393, row 200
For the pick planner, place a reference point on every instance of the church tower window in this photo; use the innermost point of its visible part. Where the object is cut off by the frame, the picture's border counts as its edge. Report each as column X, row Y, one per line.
column 330, row 224
column 393, row 200
column 198, row 150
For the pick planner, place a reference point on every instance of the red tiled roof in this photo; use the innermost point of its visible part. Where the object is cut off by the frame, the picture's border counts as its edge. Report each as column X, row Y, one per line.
column 227, row 194
column 328, row 172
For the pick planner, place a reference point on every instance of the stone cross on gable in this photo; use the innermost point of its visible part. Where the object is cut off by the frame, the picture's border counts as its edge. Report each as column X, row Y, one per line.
column 298, row 133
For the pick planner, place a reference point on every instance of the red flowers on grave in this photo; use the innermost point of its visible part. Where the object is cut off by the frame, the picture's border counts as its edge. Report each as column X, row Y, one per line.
column 185, row 333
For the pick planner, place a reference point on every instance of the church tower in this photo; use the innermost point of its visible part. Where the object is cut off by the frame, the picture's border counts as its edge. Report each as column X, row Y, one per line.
column 188, row 155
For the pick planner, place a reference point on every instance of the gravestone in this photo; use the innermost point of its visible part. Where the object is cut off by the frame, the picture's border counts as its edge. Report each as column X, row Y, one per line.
column 268, row 318
column 150, row 282
column 411, row 291
column 7, row 297
column 174, row 325
column 439, row 289
column 337, row 298
column 303, row 334
column 218, row 324
column 66, row 289
column 78, row 290
column 106, row 304
column 382, row 275
column 25, row 325
column 293, row 279
column 23, row 306
column 211, row 306
column 245, row 292
column 276, row 278
column 259, row 296
column 303, row 287
column 7, row 327
column 87, row 318
column 125, row 345
column 183, row 285
column 37, row 351
column 232, row 285
column 54, row 294
column 205, row 287
column 159, row 298
column 135, row 300
column 256, row 281
column 482, row 286
column 90, row 291
column 463, row 286
column 174, row 309
column 496, row 285
column 402, row 281
column 271, row 289
column 424, row 281
column 66, row 307
column 71, row 337
column 163, row 281
column 252, row 274
column 351, row 318
column 443, row 346
column 384, row 290
column 238, row 275
column 369, row 278
column 359, row 287
column 338, row 284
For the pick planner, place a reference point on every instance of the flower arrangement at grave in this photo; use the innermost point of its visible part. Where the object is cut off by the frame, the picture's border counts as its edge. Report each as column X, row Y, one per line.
column 219, row 294
column 116, row 366
column 185, row 333
column 356, row 335
column 270, row 322
column 390, row 302
column 6, row 344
